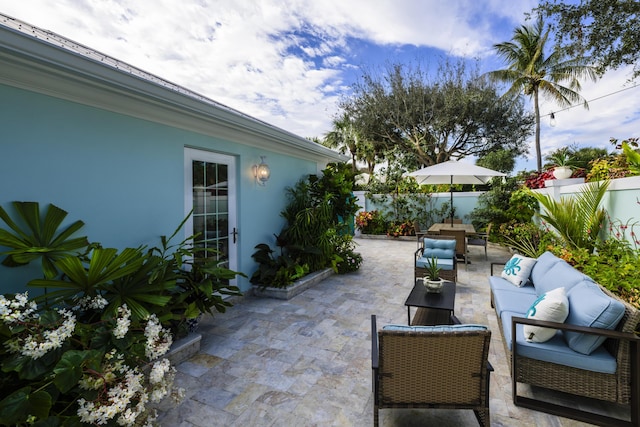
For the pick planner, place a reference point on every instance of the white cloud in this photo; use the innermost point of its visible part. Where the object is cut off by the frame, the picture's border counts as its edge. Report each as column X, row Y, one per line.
column 287, row 61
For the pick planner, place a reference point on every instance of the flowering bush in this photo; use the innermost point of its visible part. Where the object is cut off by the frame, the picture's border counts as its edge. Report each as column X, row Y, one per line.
column 371, row 222
column 89, row 350
column 404, row 228
column 61, row 369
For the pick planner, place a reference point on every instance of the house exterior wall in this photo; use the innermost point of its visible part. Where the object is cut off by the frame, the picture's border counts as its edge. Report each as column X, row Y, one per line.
column 124, row 176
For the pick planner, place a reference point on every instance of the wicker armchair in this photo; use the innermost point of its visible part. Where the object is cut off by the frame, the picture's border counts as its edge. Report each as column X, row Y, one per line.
column 451, row 275
column 431, row 369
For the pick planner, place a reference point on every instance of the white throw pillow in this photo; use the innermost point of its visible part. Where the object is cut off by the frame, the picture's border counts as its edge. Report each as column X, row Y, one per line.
column 518, row 269
column 552, row 306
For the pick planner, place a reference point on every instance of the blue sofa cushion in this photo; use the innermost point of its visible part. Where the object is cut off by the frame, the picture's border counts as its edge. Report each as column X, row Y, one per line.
column 498, row 284
column 518, row 269
column 513, row 300
column 443, row 263
column 435, row 328
column 589, row 306
column 556, row 350
column 559, row 273
column 544, row 263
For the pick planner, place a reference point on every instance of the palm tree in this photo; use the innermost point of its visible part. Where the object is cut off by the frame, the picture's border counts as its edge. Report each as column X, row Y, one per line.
column 531, row 72
column 344, row 138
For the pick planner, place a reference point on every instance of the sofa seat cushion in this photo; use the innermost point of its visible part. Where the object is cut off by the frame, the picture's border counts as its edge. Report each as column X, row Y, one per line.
column 443, row 263
column 518, row 269
column 497, row 284
column 556, row 350
column 559, row 273
column 590, row 306
column 513, row 300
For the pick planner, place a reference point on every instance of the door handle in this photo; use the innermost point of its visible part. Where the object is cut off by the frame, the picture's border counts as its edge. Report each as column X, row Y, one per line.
column 235, row 234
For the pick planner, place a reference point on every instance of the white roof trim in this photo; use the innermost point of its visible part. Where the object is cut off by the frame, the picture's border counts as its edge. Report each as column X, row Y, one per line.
column 42, row 61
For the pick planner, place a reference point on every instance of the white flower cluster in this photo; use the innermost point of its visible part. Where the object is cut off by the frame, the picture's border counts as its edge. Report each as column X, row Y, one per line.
column 126, row 396
column 161, row 378
column 35, row 346
column 122, row 322
column 94, row 303
column 159, row 340
column 19, row 309
column 38, row 340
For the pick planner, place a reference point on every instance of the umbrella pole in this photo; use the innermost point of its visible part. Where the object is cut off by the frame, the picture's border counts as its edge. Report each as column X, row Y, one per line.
column 451, row 193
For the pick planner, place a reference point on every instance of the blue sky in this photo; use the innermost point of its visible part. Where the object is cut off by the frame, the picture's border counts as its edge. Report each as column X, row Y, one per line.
column 288, row 62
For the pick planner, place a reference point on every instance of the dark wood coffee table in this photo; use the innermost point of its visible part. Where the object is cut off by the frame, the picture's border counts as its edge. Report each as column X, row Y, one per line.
column 433, row 308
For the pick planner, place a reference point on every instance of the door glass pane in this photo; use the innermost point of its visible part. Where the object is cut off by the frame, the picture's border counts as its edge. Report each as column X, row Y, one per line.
column 210, row 217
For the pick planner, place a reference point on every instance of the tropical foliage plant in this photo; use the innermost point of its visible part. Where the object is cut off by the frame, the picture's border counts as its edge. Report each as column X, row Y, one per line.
column 40, row 238
column 88, row 352
column 577, row 220
column 318, row 209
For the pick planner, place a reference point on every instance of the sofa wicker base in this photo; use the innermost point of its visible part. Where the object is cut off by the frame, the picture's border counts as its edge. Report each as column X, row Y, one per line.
column 579, row 382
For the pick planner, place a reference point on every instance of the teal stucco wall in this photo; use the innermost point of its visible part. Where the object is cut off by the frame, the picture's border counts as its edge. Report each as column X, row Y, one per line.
column 123, row 176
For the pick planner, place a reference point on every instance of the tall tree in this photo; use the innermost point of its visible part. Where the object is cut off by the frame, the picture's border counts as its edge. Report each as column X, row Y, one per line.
column 343, row 137
column 532, row 71
column 423, row 122
column 606, row 30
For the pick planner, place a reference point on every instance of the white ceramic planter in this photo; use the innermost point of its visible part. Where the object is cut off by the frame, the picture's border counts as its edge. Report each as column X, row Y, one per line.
column 562, row 172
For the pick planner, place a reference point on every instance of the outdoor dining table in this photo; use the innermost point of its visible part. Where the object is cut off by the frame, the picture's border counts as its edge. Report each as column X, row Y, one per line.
column 468, row 228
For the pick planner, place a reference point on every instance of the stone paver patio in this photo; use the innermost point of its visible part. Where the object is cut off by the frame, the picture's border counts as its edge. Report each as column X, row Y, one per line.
column 307, row 361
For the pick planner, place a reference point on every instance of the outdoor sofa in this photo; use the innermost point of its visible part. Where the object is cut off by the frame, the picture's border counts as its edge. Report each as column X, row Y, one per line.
column 592, row 353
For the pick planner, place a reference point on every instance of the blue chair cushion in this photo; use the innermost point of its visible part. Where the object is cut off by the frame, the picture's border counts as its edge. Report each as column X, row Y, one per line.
column 556, row 350
column 442, row 263
column 435, row 328
column 439, row 243
column 438, row 253
column 589, row 306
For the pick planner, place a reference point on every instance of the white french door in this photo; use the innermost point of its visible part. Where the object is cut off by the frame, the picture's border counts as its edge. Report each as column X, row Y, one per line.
column 210, row 191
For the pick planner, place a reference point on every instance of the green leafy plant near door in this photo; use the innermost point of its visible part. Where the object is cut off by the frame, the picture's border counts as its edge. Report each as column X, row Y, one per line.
column 88, row 351
column 316, row 233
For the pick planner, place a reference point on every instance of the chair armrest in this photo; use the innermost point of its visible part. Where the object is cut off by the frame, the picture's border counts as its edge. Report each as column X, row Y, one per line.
column 417, row 254
column 496, row 263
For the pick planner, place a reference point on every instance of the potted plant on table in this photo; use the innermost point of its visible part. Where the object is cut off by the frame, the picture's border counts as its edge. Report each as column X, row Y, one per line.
column 432, row 280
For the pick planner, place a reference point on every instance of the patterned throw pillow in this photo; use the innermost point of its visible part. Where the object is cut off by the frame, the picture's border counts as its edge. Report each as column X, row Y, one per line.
column 518, row 269
column 552, row 306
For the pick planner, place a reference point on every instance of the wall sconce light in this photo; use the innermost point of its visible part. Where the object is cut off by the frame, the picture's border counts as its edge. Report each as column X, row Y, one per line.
column 261, row 172
column 552, row 120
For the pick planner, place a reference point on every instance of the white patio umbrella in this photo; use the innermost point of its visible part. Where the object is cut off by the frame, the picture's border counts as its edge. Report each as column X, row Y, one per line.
column 453, row 172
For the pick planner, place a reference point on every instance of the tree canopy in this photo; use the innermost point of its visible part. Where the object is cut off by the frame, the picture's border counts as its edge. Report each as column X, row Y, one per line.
column 423, row 120
column 606, row 30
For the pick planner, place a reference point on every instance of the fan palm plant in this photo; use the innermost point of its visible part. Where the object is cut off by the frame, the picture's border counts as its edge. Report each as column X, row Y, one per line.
column 531, row 71
column 577, row 220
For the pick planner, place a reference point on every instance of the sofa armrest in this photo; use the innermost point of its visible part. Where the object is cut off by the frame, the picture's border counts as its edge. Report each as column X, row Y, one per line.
column 495, row 264
column 574, row 328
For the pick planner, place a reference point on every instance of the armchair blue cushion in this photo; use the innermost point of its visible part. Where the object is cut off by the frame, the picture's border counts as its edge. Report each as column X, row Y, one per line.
column 443, row 250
